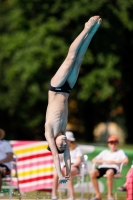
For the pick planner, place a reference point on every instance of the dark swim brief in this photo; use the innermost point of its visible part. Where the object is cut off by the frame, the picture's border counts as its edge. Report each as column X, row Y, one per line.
column 64, row 88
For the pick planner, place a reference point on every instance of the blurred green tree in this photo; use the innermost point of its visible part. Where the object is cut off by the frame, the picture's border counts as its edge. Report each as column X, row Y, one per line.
column 35, row 37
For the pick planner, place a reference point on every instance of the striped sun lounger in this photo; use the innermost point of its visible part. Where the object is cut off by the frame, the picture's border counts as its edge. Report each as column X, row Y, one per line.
column 35, row 165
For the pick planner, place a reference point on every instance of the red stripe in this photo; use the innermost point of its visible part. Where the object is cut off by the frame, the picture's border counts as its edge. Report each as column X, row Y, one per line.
column 36, row 179
column 36, row 163
column 36, row 187
column 35, row 156
column 22, row 142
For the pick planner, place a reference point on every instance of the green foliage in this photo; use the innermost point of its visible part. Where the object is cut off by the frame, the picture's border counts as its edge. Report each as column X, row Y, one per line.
column 35, row 36
column 98, row 83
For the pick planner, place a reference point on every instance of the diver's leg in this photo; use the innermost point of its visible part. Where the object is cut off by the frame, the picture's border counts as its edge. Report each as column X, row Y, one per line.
column 75, row 71
column 66, row 68
column 55, row 186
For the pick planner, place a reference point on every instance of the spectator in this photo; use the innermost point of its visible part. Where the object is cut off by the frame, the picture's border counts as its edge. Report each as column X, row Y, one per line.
column 109, row 162
column 123, row 187
column 6, row 156
column 128, row 185
column 76, row 158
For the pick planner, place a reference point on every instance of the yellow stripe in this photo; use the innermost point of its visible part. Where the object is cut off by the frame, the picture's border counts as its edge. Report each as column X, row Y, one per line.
column 13, row 174
column 30, row 149
column 36, row 171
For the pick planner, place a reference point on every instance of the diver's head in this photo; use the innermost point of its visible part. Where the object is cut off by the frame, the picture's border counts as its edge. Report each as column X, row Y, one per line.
column 60, row 142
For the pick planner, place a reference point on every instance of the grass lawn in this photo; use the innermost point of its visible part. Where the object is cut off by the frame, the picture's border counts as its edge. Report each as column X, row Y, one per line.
column 43, row 195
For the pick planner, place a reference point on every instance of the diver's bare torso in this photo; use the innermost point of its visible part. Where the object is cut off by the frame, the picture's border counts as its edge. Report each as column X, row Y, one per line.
column 57, row 113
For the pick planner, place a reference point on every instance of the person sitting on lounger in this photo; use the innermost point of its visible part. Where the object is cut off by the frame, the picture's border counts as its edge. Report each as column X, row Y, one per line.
column 109, row 162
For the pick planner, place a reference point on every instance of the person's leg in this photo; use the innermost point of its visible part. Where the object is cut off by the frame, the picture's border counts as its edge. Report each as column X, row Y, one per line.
column 93, row 176
column 2, row 173
column 66, row 68
column 110, row 174
column 75, row 71
column 123, row 187
column 74, row 172
column 0, row 179
column 55, row 186
column 71, row 188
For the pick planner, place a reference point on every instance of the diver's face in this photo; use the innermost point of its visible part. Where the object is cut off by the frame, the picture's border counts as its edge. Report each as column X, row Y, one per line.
column 61, row 142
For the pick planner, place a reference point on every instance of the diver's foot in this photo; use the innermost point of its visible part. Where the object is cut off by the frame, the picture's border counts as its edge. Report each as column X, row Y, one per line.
column 54, row 198
column 93, row 24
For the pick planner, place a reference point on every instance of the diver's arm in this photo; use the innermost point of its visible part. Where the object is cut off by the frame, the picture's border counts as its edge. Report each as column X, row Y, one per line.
column 67, row 160
column 51, row 143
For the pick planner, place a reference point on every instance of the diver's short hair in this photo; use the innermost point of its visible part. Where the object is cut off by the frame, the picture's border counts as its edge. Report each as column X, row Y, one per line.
column 59, row 151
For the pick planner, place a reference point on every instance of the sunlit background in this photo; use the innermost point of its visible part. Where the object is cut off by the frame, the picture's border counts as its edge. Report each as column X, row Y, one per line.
column 35, row 37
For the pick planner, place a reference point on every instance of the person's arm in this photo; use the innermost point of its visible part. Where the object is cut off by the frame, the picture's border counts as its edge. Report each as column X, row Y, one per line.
column 124, row 161
column 100, row 158
column 122, row 158
column 78, row 157
column 98, row 161
column 51, row 143
column 8, row 158
column 67, row 160
column 78, row 161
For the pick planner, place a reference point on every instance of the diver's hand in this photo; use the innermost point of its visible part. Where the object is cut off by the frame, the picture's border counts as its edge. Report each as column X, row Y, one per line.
column 63, row 180
column 67, row 177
